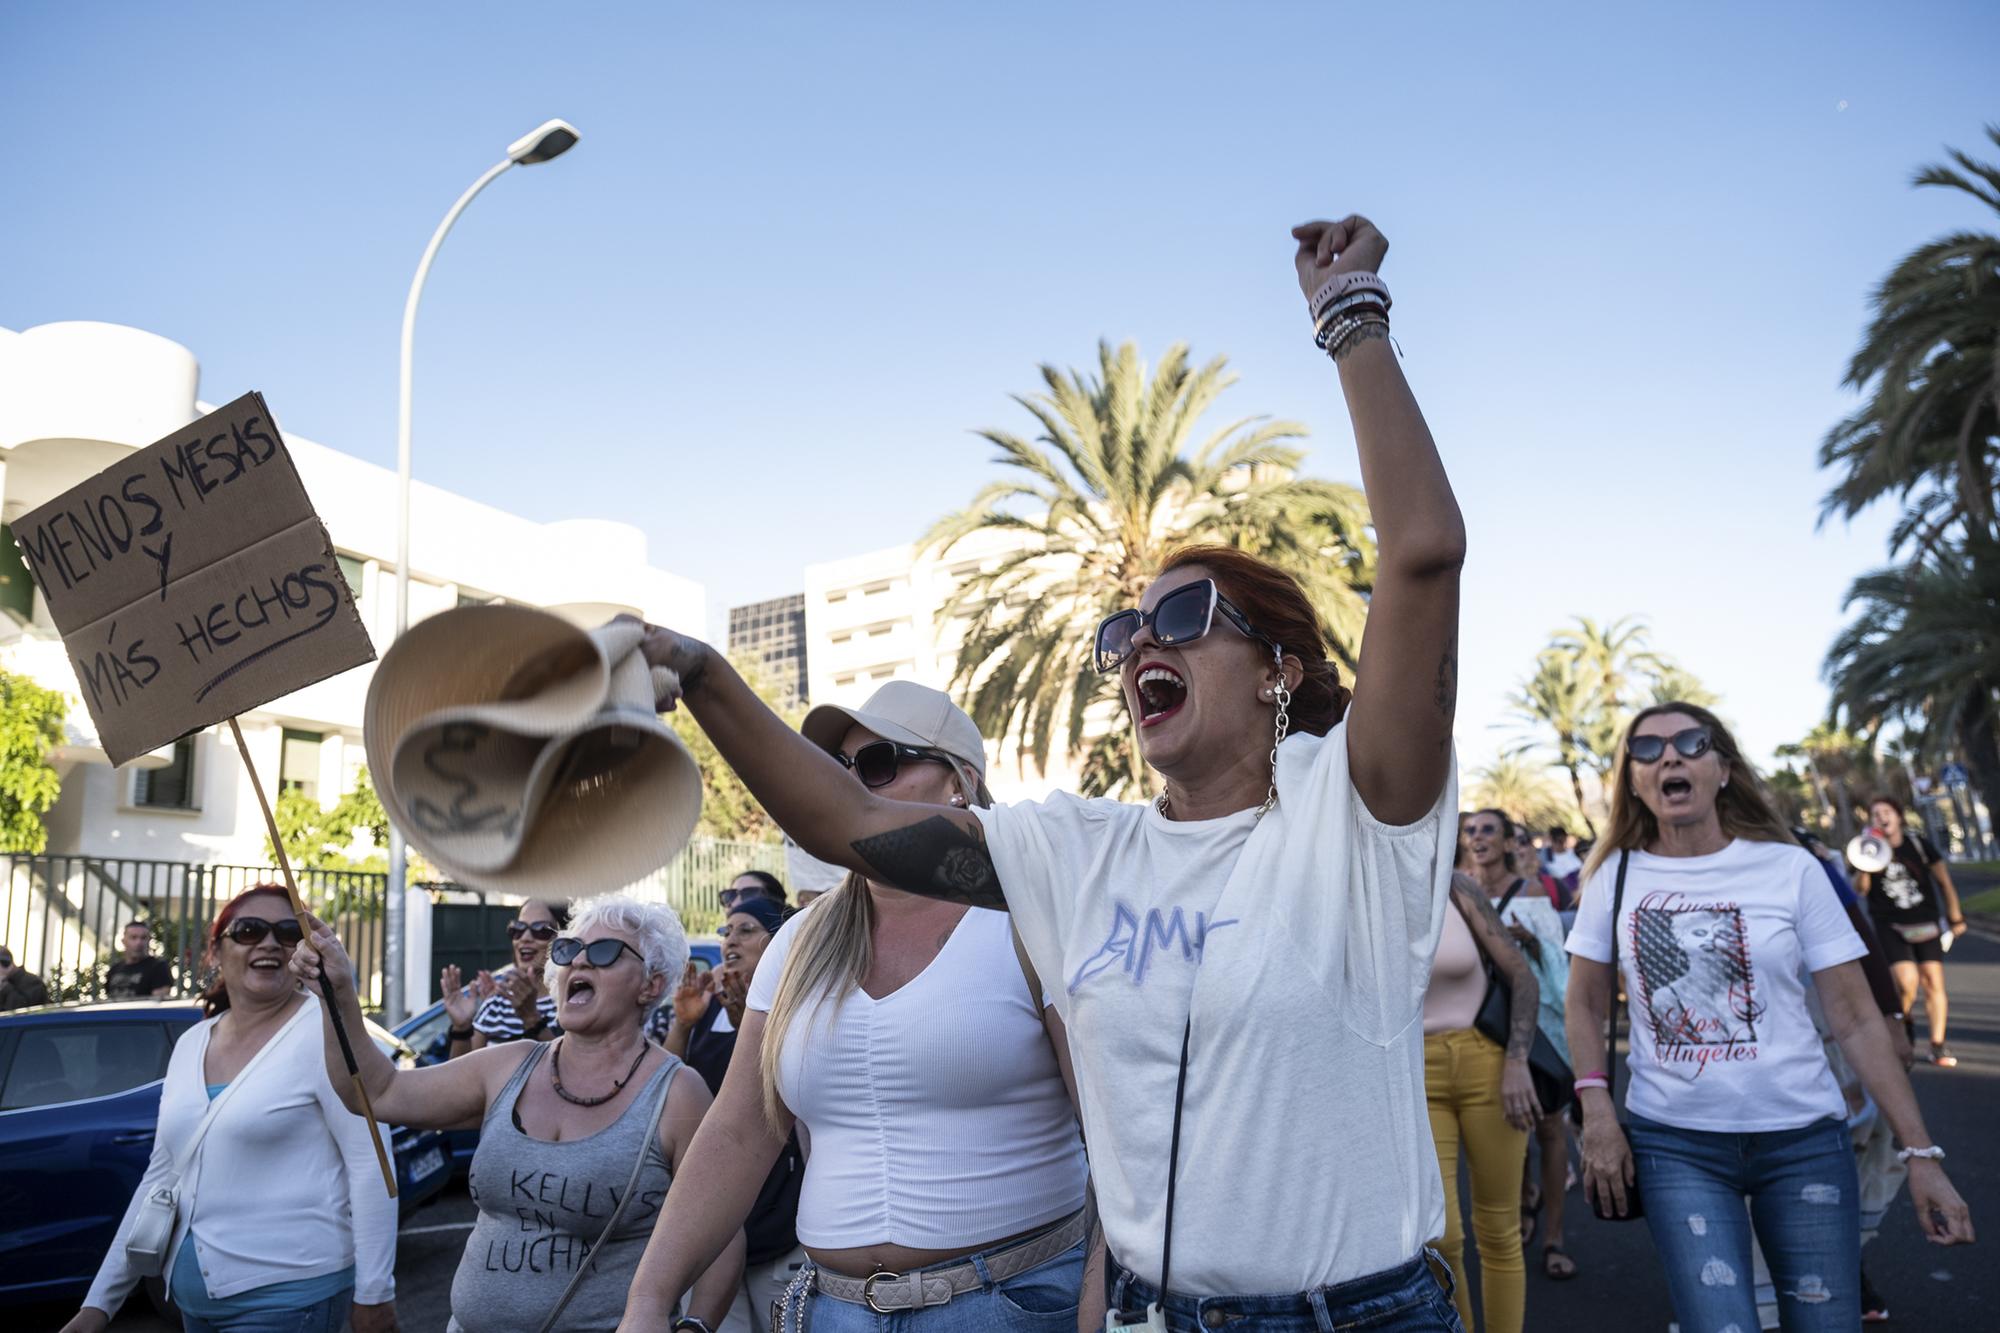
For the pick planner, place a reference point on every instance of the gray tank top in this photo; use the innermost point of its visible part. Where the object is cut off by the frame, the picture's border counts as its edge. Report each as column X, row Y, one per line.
column 542, row 1205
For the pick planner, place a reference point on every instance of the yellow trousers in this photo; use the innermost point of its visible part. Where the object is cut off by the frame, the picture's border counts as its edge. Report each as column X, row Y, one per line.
column 1462, row 1084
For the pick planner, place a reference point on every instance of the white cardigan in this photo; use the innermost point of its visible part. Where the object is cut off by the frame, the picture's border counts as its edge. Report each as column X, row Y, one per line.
column 284, row 1185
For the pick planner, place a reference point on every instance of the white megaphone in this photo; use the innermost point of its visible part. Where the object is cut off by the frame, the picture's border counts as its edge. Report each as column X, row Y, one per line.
column 1869, row 851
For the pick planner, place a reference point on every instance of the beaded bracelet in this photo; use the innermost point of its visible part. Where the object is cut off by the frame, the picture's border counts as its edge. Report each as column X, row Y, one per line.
column 1593, row 1081
column 1334, row 338
column 1342, row 284
column 1353, row 307
column 1352, row 334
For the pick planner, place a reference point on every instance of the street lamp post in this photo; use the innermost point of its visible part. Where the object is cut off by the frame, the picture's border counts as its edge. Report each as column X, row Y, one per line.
column 550, row 139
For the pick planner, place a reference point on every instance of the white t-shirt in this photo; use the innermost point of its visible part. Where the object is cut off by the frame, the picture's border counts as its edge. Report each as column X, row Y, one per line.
column 1711, row 948
column 1303, row 944
column 937, row 1115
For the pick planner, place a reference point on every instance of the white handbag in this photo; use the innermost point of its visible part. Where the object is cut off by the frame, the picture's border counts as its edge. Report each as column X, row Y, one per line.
column 152, row 1231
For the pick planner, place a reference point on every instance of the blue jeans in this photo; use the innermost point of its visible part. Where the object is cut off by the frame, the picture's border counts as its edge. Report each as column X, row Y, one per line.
column 327, row 1316
column 1407, row 1299
column 1041, row 1300
column 1804, row 1207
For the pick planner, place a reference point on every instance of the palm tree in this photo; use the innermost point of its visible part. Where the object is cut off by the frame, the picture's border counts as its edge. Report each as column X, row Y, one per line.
column 1838, row 761
column 1520, row 783
column 1614, row 659
column 1117, row 477
column 1925, row 651
column 1675, row 684
column 1930, row 365
column 1559, row 697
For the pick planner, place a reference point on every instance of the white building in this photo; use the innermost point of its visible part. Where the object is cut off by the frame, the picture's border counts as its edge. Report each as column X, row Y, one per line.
column 880, row 616
column 75, row 397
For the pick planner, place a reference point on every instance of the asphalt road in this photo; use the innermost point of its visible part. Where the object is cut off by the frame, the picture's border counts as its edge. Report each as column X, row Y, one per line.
column 1619, row 1278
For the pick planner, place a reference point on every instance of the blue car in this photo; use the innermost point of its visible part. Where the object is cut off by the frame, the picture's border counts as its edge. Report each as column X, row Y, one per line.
column 79, row 1099
column 428, row 1033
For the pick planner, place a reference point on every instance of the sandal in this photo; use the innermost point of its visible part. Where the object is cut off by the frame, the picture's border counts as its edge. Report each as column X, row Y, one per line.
column 1557, row 1266
column 1942, row 1057
column 1530, row 1216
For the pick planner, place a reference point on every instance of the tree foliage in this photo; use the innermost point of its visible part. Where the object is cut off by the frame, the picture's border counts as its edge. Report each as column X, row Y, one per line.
column 1122, row 472
column 1928, row 432
column 352, row 834
column 1586, row 685
column 1522, row 785
column 728, row 810
column 31, row 725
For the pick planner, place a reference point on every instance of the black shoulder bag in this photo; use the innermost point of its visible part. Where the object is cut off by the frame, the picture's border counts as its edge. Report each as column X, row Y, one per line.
column 1635, row 1207
column 1554, row 1082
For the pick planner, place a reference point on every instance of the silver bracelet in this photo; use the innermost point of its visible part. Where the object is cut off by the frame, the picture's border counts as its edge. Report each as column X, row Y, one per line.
column 1930, row 1154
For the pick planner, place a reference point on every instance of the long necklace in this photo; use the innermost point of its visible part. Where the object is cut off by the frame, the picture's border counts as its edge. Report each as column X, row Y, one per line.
column 1282, row 724
column 555, row 1061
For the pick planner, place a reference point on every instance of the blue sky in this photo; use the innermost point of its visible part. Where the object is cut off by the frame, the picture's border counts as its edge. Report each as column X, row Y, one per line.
column 803, row 250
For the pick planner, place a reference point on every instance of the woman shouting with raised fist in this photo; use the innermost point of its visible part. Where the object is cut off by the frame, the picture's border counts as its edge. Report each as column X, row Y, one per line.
column 1303, row 834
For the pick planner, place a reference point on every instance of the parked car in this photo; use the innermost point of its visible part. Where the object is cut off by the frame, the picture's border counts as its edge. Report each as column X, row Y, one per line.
column 79, row 1099
column 428, row 1032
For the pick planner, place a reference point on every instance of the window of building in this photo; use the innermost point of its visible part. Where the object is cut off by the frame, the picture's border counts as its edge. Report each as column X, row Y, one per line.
column 880, row 631
column 350, row 569
column 843, row 680
column 298, row 762
column 169, row 788
column 839, row 596
column 842, row 638
column 874, row 589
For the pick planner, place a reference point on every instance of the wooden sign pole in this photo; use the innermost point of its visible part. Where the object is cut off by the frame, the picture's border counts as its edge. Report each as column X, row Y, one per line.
column 326, row 988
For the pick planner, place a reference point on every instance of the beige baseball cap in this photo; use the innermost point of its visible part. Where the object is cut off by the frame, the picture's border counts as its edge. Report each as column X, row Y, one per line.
column 903, row 711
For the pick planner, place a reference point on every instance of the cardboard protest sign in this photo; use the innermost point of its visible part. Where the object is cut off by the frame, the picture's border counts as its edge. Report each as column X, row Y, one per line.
column 192, row 581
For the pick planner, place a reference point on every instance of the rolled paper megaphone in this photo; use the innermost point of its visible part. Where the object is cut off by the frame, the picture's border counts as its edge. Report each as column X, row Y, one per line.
column 1869, row 851
column 521, row 753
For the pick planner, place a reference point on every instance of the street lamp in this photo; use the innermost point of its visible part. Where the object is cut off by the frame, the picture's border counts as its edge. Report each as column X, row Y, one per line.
column 550, row 139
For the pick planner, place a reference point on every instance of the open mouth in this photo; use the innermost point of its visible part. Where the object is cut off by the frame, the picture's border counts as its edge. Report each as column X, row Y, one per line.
column 1676, row 789
column 1161, row 693
column 581, row 992
column 267, row 964
column 731, row 956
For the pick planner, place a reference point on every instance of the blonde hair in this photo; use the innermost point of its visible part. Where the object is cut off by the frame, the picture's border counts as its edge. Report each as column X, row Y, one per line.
column 832, row 948
column 1744, row 806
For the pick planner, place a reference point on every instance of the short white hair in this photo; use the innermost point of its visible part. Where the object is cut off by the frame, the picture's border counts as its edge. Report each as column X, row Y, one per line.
column 662, row 940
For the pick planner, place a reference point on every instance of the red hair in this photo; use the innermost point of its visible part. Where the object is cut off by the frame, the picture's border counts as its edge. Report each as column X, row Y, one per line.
column 215, row 998
column 1277, row 608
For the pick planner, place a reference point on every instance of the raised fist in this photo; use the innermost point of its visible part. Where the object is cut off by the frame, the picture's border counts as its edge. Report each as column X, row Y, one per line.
column 1326, row 248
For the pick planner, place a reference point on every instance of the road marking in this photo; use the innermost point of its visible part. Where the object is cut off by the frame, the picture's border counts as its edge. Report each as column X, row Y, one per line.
column 441, row 1226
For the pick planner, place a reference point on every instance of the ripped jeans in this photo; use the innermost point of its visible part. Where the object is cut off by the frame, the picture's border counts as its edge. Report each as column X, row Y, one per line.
column 1803, row 1202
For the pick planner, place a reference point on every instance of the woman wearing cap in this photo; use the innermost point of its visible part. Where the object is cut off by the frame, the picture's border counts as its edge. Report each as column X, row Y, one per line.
column 1296, row 863
column 946, row 1178
column 283, row 1221
column 580, row 1138
column 1718, row 919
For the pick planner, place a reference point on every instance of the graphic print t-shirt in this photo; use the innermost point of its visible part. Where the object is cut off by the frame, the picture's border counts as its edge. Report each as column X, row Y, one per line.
column 1906, row 890
column 136, row 981
column 1716, row 952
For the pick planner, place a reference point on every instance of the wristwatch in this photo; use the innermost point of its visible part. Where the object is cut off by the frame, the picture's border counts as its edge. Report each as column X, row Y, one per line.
column 687, row 1323
column 1932, row 1153
column 460, row 1034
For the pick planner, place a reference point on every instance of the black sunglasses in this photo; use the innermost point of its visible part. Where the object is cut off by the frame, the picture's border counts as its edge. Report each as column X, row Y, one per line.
column 249, row 930
column 601, row 953
column 541, row 930
column 1692, row 743
column 1183, row 615
column 878, row 762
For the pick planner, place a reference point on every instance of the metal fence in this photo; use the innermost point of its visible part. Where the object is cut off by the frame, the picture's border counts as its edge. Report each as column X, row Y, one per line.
column 62, row 915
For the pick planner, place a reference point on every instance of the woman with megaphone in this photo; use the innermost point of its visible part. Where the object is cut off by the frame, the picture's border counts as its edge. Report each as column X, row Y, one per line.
column 1241, row 963
column 580, row 1138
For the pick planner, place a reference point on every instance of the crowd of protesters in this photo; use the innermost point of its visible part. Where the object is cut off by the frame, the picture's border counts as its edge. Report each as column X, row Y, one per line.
column 1072, row 1063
